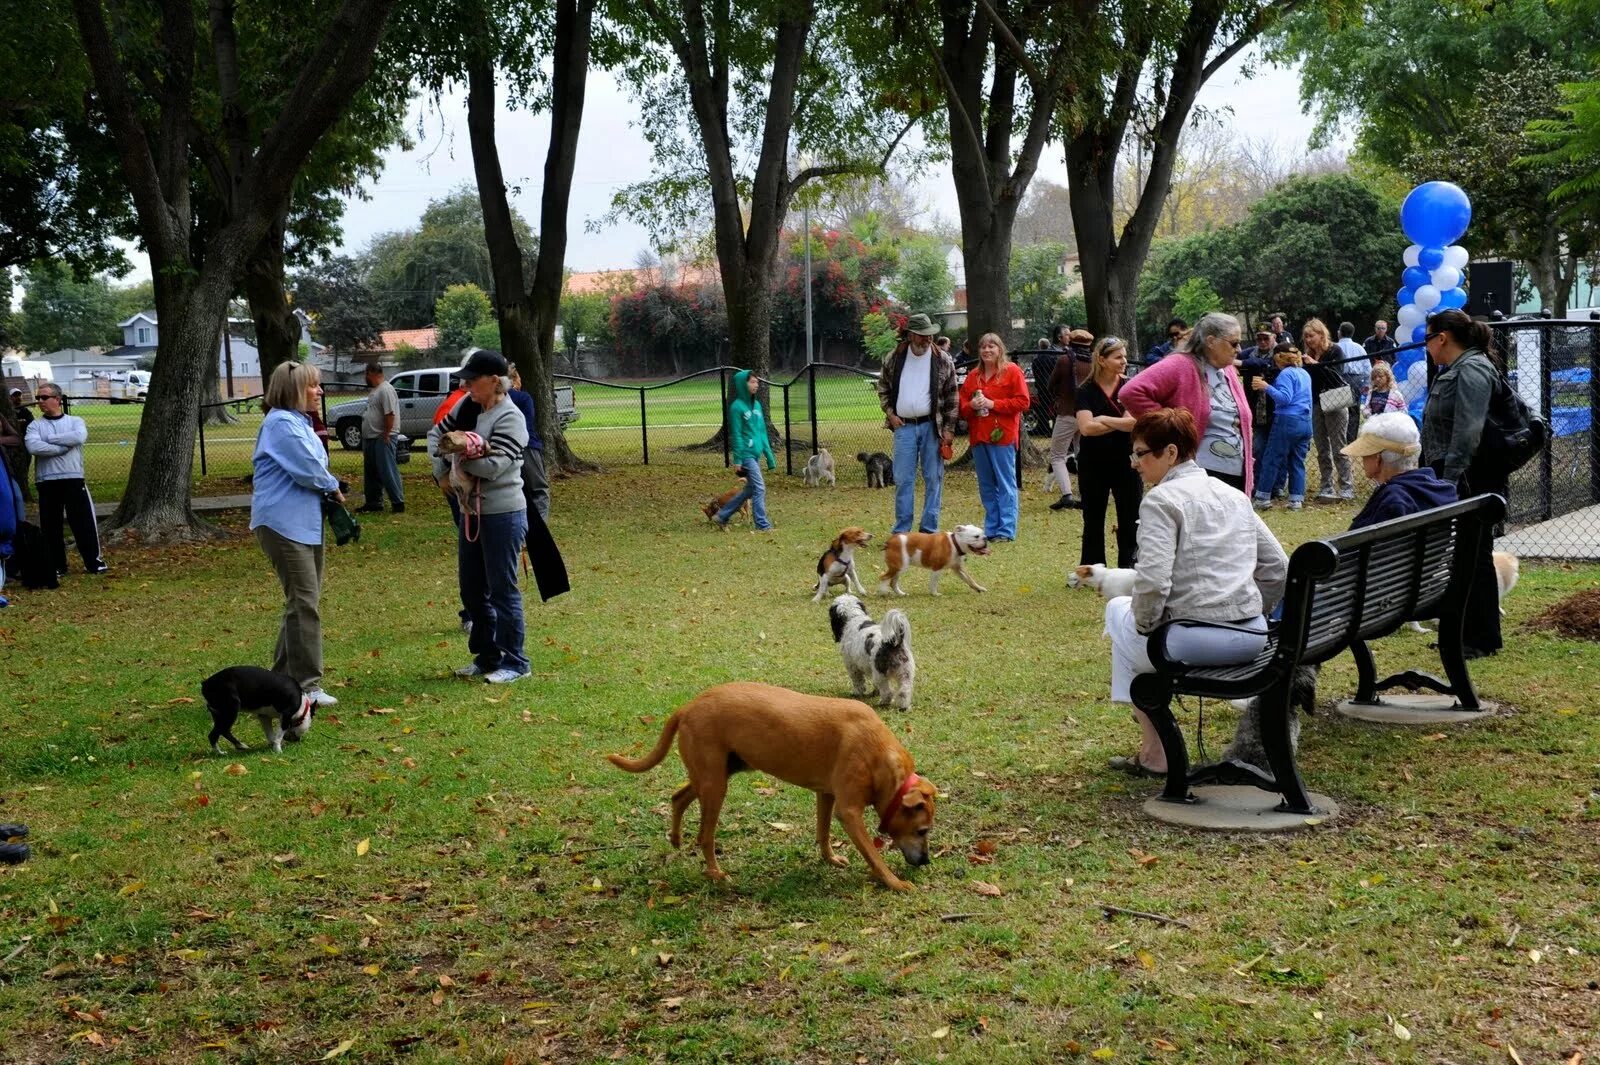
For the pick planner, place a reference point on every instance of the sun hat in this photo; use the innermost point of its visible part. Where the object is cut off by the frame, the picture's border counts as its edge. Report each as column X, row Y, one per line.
column 1392, row 431
column 921, row 325
column 484, row 363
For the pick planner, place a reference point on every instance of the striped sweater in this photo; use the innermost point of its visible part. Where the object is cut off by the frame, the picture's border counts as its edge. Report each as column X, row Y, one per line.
column 505, row 435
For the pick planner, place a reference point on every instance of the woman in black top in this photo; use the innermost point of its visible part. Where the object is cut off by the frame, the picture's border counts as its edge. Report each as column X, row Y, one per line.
column 1105, row 457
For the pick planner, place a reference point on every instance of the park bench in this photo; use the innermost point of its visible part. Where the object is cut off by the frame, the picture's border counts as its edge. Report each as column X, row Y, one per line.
column 1341, row 593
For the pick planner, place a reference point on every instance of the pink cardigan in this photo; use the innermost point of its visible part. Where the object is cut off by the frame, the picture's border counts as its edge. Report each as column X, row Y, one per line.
column 1178, row 381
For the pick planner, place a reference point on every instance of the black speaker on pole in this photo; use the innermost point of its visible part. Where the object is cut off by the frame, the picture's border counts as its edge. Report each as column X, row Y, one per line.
column 1490, row 289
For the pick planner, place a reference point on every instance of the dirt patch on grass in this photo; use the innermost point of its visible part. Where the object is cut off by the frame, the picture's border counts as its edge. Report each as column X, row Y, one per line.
column 1577, row 616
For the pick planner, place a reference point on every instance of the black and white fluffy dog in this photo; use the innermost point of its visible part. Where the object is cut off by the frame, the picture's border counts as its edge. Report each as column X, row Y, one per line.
column 275, row 698
column 881, row 653
column 1246, row 746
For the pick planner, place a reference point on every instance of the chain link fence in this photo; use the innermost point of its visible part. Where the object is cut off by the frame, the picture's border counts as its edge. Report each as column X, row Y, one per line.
column 1554, row 501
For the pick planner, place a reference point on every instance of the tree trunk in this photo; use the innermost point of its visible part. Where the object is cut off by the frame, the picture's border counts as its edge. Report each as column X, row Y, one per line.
column 212, row 412
column 277, row 329
column 574, row 25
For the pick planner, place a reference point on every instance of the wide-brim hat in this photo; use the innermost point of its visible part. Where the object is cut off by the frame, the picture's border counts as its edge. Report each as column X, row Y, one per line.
column 921, row 325
column 484, row 363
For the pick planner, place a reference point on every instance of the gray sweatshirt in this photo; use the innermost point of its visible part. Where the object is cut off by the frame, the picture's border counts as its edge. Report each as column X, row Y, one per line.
column 505, row 435
column 57, row 444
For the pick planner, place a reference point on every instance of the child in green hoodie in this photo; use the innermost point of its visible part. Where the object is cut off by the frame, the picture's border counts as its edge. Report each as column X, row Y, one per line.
column 747, row 428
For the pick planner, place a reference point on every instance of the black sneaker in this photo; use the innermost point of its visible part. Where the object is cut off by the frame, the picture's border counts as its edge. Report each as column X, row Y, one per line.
column 370, row 508
column 1065, row 503
column 9, row 832
column 14, row 853
column 399, row 508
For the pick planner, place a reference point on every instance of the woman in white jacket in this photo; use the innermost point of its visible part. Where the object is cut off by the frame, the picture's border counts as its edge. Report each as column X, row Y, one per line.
column 55, row 439
column 1205, row 559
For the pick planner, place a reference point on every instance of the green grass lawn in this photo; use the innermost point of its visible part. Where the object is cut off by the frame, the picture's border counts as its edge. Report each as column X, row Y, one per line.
column 448, row 872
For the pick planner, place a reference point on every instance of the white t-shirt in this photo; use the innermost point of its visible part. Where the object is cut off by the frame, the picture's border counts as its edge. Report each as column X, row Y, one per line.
column 1222, row 444
column 915, row 399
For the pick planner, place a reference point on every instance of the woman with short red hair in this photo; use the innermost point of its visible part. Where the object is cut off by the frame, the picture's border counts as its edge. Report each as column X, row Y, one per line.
column 1206, row 563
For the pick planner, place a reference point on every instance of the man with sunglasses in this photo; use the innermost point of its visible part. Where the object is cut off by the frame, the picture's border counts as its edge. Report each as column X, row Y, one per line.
column 55, row 439
column 1175, row 330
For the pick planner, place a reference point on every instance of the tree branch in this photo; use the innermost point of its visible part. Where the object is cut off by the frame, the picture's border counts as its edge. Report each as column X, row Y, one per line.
column 1279, row 8
column 1014, row 46
column 235, row 129
column 969, row 125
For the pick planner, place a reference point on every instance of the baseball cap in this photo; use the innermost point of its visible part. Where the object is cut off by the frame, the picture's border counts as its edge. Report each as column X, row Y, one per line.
column 1391, row 431
column 484, row 363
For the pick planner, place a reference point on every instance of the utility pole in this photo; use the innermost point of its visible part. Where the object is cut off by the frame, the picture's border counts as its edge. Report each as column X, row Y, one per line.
column 806, row 213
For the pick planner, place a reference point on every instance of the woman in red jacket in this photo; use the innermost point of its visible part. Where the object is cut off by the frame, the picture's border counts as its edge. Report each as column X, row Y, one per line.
column 993, row 397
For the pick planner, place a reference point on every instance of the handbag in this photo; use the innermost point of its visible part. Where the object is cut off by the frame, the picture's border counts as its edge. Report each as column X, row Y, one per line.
column 1336, row 399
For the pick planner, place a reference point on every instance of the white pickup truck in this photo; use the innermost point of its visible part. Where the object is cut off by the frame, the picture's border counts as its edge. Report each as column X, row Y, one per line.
column 421, row 392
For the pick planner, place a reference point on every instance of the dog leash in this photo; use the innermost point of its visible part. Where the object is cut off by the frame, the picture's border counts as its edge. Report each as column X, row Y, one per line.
column 472, row 529
column 882, row 839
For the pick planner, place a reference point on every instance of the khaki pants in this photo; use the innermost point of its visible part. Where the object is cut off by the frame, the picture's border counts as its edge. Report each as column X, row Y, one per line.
column 299, row 570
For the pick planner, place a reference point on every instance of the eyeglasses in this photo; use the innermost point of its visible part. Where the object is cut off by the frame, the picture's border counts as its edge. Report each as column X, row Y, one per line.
column 1233, row 343
column 1140, row 452
column 48, row 395
column 1174, row 335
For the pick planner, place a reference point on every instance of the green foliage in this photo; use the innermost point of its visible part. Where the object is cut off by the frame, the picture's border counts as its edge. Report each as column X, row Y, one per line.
column 59, row 311
column 584, row 318
column 344, row 312
column 486, row 334
column 847, row 278
column 407, row 357
column 1325, row 246
column 924, row 281
column 880, row 331
column 670, row 330
column 1038, row 287
column 409, row 270
column 459, row 311
column 1195, row 299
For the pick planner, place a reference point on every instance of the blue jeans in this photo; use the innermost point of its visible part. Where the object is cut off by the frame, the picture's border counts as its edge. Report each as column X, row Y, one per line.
column 380, row 473
column 755, row 490
column 1285, row 457
column 914, row 446
column 997, row 487
column 487, row 572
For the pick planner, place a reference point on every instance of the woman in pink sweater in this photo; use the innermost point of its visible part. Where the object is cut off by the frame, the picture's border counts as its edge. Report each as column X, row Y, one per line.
column 1203, row 381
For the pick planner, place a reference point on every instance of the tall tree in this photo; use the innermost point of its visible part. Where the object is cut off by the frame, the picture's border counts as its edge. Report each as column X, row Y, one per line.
column 59, row 311
column 148, row 87
column 1024, row 52
column 1152, row 62
column 343, row 310
column 748, row 78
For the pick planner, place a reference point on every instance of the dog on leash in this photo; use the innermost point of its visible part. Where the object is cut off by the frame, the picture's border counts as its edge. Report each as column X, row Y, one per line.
column 879, row 653
column 1109, row 582
column 880, row 468
column 285, row 712
column 838, row 748
column 1507, row 571
column 838, row 563
column 1247, row 746
column 932, row 551
column 819, row 468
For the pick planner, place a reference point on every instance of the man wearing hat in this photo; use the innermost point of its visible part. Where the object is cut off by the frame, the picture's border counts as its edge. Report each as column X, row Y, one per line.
column 917, row 391
column 1389, row 448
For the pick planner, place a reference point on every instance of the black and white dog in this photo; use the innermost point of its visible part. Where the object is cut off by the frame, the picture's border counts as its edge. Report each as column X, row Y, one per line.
column 285, row 712
column 880, row 469
column 881, row 653
column 1247, row 746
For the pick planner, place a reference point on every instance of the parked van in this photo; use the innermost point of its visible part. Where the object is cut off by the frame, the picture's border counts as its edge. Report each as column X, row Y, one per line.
column 420, row 393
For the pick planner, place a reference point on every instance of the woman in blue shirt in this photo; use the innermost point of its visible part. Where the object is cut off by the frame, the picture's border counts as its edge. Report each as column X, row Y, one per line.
column 291, row 477
column 1284, row 459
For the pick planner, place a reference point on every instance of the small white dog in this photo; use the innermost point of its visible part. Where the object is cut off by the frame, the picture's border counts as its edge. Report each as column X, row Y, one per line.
column 881, row 653
column 819, row 468
column 1110, row 583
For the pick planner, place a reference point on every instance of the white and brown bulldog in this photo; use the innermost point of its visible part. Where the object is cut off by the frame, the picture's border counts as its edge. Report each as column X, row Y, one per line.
column 932, row 551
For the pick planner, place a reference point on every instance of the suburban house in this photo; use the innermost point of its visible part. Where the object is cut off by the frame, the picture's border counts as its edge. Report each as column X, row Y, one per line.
column 238, row 361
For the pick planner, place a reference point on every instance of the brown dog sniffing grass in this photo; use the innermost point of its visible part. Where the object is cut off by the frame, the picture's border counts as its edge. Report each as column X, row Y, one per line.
column 839, row 748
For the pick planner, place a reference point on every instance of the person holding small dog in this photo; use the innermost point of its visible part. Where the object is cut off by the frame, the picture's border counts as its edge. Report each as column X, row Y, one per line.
column 489, row 540
column 1104, row 447
column 1206, row 561
column 291, row 477
column 992, row 400
column 55, row 439
column 748, row 445
column 917, row 391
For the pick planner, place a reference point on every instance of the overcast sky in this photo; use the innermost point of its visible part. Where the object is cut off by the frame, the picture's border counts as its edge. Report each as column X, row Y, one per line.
column 612, row 153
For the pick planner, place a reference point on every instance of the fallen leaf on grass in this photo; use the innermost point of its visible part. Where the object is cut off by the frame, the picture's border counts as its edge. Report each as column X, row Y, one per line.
column 363, row 847
column 235, row 770
column 987, row 846
column 940, row 1033
column 445, row 981
column 339, row 1050
column 372, row 970
column 1401, row 1032
column 1146, row 959
column 1511, row 1052
column 138, row 886
column 1534, row 956
column 1142, row 858
column 986, row 889
column 672, row 1003
column 381, row 710
column 780, row 826
column 1104, row 1054
column 286, row 858
column 1162, row 1044
column 182, row 700
column 663, row 959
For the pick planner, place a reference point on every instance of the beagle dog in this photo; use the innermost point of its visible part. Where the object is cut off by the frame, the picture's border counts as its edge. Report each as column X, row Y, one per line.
column 838, row 563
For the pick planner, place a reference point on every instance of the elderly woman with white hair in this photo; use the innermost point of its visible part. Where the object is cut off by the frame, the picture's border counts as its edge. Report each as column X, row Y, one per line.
column 1205, row 383
column 1390, row 448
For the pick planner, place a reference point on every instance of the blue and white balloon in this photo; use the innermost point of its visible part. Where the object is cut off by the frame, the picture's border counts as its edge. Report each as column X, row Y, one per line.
column 1430, row 259
column 1435, row 214
column 1411, row 254
column 1427, row 298
column 1415, row 277
column 1409, row 318
column 1455, row 255
column 1452, row 299
column 1446, row 277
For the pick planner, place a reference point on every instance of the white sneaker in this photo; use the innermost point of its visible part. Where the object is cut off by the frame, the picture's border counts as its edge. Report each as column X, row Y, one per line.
column 504, row 676
column 321, row 698
column 466, row 626
column 471, row 669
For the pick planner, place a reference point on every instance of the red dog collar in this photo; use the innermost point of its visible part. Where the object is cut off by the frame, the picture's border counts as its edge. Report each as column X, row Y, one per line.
column 303, row 713
column 894, row 807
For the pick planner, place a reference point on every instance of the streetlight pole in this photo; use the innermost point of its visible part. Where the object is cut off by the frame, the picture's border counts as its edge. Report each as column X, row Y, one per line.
column 806, row 213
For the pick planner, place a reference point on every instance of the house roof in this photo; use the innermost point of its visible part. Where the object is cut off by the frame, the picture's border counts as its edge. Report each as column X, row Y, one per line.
column 422, row 339
column 607, row 282
column 149, row 316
